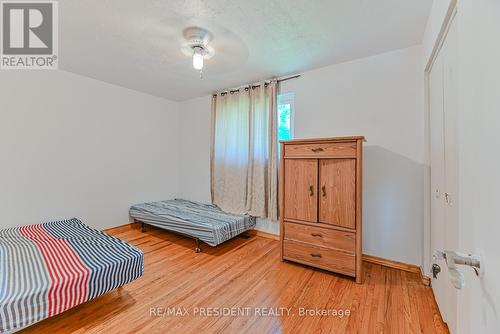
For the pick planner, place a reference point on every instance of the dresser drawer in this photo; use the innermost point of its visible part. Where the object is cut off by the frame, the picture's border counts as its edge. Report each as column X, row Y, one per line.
column 342, row 149
column 324, row 258
column 319, row 236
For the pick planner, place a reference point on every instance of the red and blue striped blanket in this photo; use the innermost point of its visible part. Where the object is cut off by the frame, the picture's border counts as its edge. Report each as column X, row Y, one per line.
column 48, row 268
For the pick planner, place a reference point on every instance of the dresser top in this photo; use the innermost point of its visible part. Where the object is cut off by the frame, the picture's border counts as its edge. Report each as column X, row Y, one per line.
column 315, row 140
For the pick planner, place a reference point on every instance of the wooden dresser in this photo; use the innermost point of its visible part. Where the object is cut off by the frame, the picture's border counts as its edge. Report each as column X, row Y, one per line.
column 320, row 203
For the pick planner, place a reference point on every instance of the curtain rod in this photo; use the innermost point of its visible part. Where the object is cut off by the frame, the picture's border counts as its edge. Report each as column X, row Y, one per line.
column 255, row 86
column 289, row 78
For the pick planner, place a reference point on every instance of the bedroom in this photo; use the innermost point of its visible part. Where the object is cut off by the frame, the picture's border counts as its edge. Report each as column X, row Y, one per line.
column 137, row 104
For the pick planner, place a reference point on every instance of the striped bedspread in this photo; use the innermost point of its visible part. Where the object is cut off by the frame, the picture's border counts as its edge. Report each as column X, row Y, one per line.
column 203, row 221
column 48, row 268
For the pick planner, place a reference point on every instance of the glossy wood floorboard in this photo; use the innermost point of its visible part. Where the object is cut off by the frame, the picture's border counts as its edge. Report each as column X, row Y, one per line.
column 246, row 276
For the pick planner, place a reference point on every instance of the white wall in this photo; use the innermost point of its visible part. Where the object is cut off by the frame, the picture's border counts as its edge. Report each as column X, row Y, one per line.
column 76, row 147
column 379, row 97
column 194, row 155
column 479, row 161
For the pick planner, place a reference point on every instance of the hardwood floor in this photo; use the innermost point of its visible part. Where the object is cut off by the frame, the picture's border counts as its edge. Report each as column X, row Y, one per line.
column 247, row 274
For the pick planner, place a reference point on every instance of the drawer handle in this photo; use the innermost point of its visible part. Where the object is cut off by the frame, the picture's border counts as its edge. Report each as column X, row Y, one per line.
column 316, row 150
column 317, row 235
column 311, row 190
column 315, row 255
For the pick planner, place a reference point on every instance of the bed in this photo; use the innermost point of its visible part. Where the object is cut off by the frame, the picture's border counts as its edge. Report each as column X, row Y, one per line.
column 205, row 222
column 46, row 269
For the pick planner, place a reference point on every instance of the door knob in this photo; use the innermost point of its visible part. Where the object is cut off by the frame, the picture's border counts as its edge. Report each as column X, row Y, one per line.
column 311, row 190
column 323, row 191
column 453, row 259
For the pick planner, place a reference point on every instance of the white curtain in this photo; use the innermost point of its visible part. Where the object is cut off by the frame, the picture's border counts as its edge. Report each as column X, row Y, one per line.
column 244, row 169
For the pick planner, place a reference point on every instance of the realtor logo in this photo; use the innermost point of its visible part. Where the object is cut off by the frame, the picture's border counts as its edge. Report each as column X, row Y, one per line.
column 29, row 35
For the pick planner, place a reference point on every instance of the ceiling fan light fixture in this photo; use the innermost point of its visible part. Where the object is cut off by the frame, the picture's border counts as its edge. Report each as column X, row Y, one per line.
column 198, row 54
column 197, row 46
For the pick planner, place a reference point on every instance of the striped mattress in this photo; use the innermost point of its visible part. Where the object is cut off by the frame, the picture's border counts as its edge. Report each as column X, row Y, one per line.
column 48, row 268
column 206, row 222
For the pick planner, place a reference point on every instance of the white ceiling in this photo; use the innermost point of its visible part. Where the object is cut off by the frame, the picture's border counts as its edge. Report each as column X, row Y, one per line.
column 136, row 43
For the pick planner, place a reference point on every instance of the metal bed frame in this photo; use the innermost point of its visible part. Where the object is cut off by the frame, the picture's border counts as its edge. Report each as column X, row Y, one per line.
column 197, row 247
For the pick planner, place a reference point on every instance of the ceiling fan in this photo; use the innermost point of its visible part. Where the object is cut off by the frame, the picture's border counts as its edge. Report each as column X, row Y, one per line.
column 196, row 46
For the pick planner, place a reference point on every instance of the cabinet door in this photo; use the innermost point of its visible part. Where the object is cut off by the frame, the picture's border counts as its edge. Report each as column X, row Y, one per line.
column 337, row 205
column 301, row 185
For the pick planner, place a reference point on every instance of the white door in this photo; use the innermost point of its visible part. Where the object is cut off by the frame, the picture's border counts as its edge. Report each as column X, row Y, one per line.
column 444, row 165
column 479, row 162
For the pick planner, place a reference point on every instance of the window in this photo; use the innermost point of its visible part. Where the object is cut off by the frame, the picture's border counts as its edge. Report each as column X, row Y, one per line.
column 285, row 116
